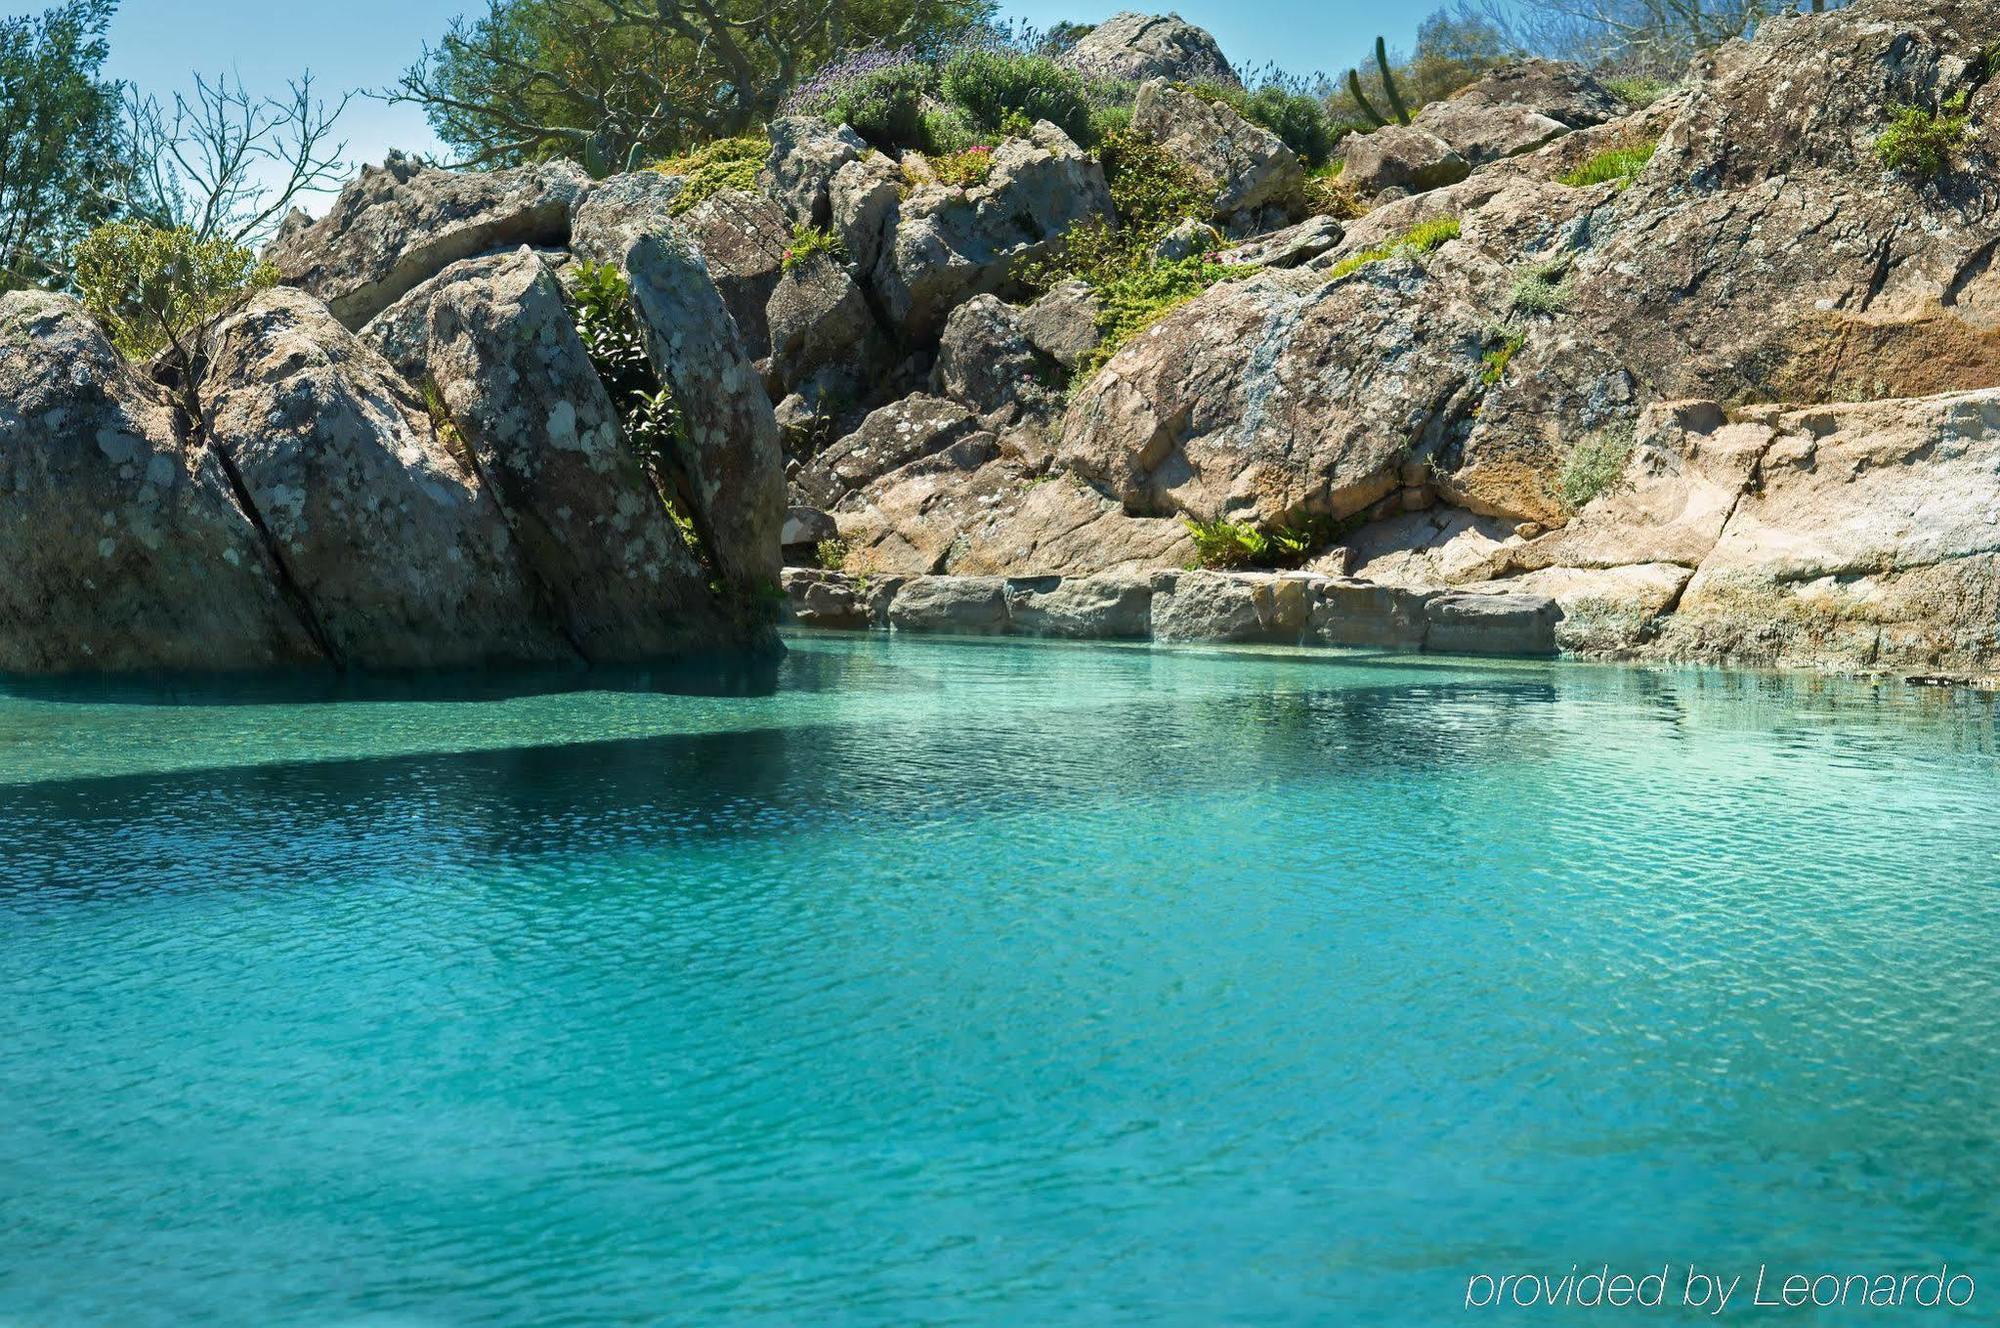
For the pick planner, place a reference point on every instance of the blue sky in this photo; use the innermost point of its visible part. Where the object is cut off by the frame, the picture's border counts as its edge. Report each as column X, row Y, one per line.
column 157, row 44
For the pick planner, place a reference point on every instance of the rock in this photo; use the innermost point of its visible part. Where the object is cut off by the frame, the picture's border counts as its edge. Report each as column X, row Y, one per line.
column 1186, row 240
column 743, row 238
column 806, row 154
column 951, row 244
column 734, row 465
column 1285, row 393
column 121, row 548
column 864, row 197
column 546, row 439
column 1872, row 537
column 1491, row 625
column 985, row 362
column 1348, row 612
column 1132, row 48
column 1110, row 606
column 404, row 560
column 403, row 222
column 1518, row 109
column 1400, row 157
column 820, row 322
column 615, row 211
column 960, row 605
column 1289, row 247
column 1063, row 323
column 807, row 527
column 816, row 598
column 1249, row 165
column 1230, row 606
column 889, row 438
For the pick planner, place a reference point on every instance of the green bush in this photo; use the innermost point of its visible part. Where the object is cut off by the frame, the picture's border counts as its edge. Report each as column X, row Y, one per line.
column 1421, row 239
column 156, row 288
column 886, row 107
column 1140, row 296
column 1594, row 466
column 810, row 243
column 1502, row 355
column 832, row 553
column 947, row 129
column 1545, row 288
column 964, row 169
column 727, row 163
column 1638, row 92
column 996, row 87
column 1151, row 190
column 1924, row 143
column 1621, row 164
column 655, row 430
column 1223, row 545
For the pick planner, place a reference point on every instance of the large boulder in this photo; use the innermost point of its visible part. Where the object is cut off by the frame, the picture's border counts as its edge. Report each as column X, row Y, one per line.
column 952, row 243
column 824, row 337
column 743, row 238
column 806, row 154
column 863, row 200
column 405, row 560
column 986, row 362
column 733, row 464
column 1872, row 536
column 121, row 547
column 1517, row 109
column 890, row 437
column 1403, row 159
column 1062, row 324
column 529, row 409
column 1132, row 48
column 1286, row 394
column 402, row 222
column 1249, row 166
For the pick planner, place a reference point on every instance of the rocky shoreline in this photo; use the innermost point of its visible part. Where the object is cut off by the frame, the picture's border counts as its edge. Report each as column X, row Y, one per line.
column 1703, row 379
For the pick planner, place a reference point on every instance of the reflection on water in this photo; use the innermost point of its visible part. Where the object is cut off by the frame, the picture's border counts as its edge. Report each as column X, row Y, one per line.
column 986, row 983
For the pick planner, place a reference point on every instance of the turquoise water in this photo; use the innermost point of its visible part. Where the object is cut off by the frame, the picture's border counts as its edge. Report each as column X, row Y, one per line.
column 991, row 983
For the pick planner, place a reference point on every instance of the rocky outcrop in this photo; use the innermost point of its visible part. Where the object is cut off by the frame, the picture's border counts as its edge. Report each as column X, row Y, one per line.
column 806, row 154
column 1133, row 47
column 1249, row 166
column 1400, row 159
column 742, row 238
column 405, row 561
column 403, row 222
column 1267, row 608
column 951, row 244
column 528, row 410
column 1517, row 109
column 986, row 363
column 122, row 548
column 824, row 338
column 888, row 439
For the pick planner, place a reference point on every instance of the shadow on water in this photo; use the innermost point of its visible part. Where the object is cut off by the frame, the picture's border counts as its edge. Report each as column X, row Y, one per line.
column 721, row 674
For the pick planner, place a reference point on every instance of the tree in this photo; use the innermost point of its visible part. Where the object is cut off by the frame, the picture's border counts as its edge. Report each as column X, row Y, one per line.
column 1642, row 36
column 607, row 81
column 59, row 136
column 224, row 164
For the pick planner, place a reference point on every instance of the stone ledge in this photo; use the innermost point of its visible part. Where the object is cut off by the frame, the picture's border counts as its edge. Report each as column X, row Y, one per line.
column 1271, row 608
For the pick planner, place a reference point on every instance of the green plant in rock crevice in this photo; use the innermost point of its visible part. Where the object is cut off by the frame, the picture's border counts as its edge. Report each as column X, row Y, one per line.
column 654, row 428
column 1545, row 288
column 727, row 163
column 1496, row 360
column 810, row 243
column 1922, row 143
column 1420, row 239
column 1620, row 164
column 1595, row 465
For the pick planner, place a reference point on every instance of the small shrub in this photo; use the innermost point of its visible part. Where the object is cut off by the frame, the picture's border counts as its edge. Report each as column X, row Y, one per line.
column 831, row 554
column 1108, row 120
column 1545, row 288
column 946, row 130
column 1223, row 545
column 885, row 106
column 1502, row 355
column 153, row 288
column 1620, row 164
column 1329, row 195
column 1594, row 466
column 1151, row 191
column 1923, row 143
column 654, row 428
column 964, row 169
column 1638, row 92
column 1135, row 299
column 727, row 163
column 1421, row 239
column 1297, row 118
column 993, row 87
column 810, row 243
